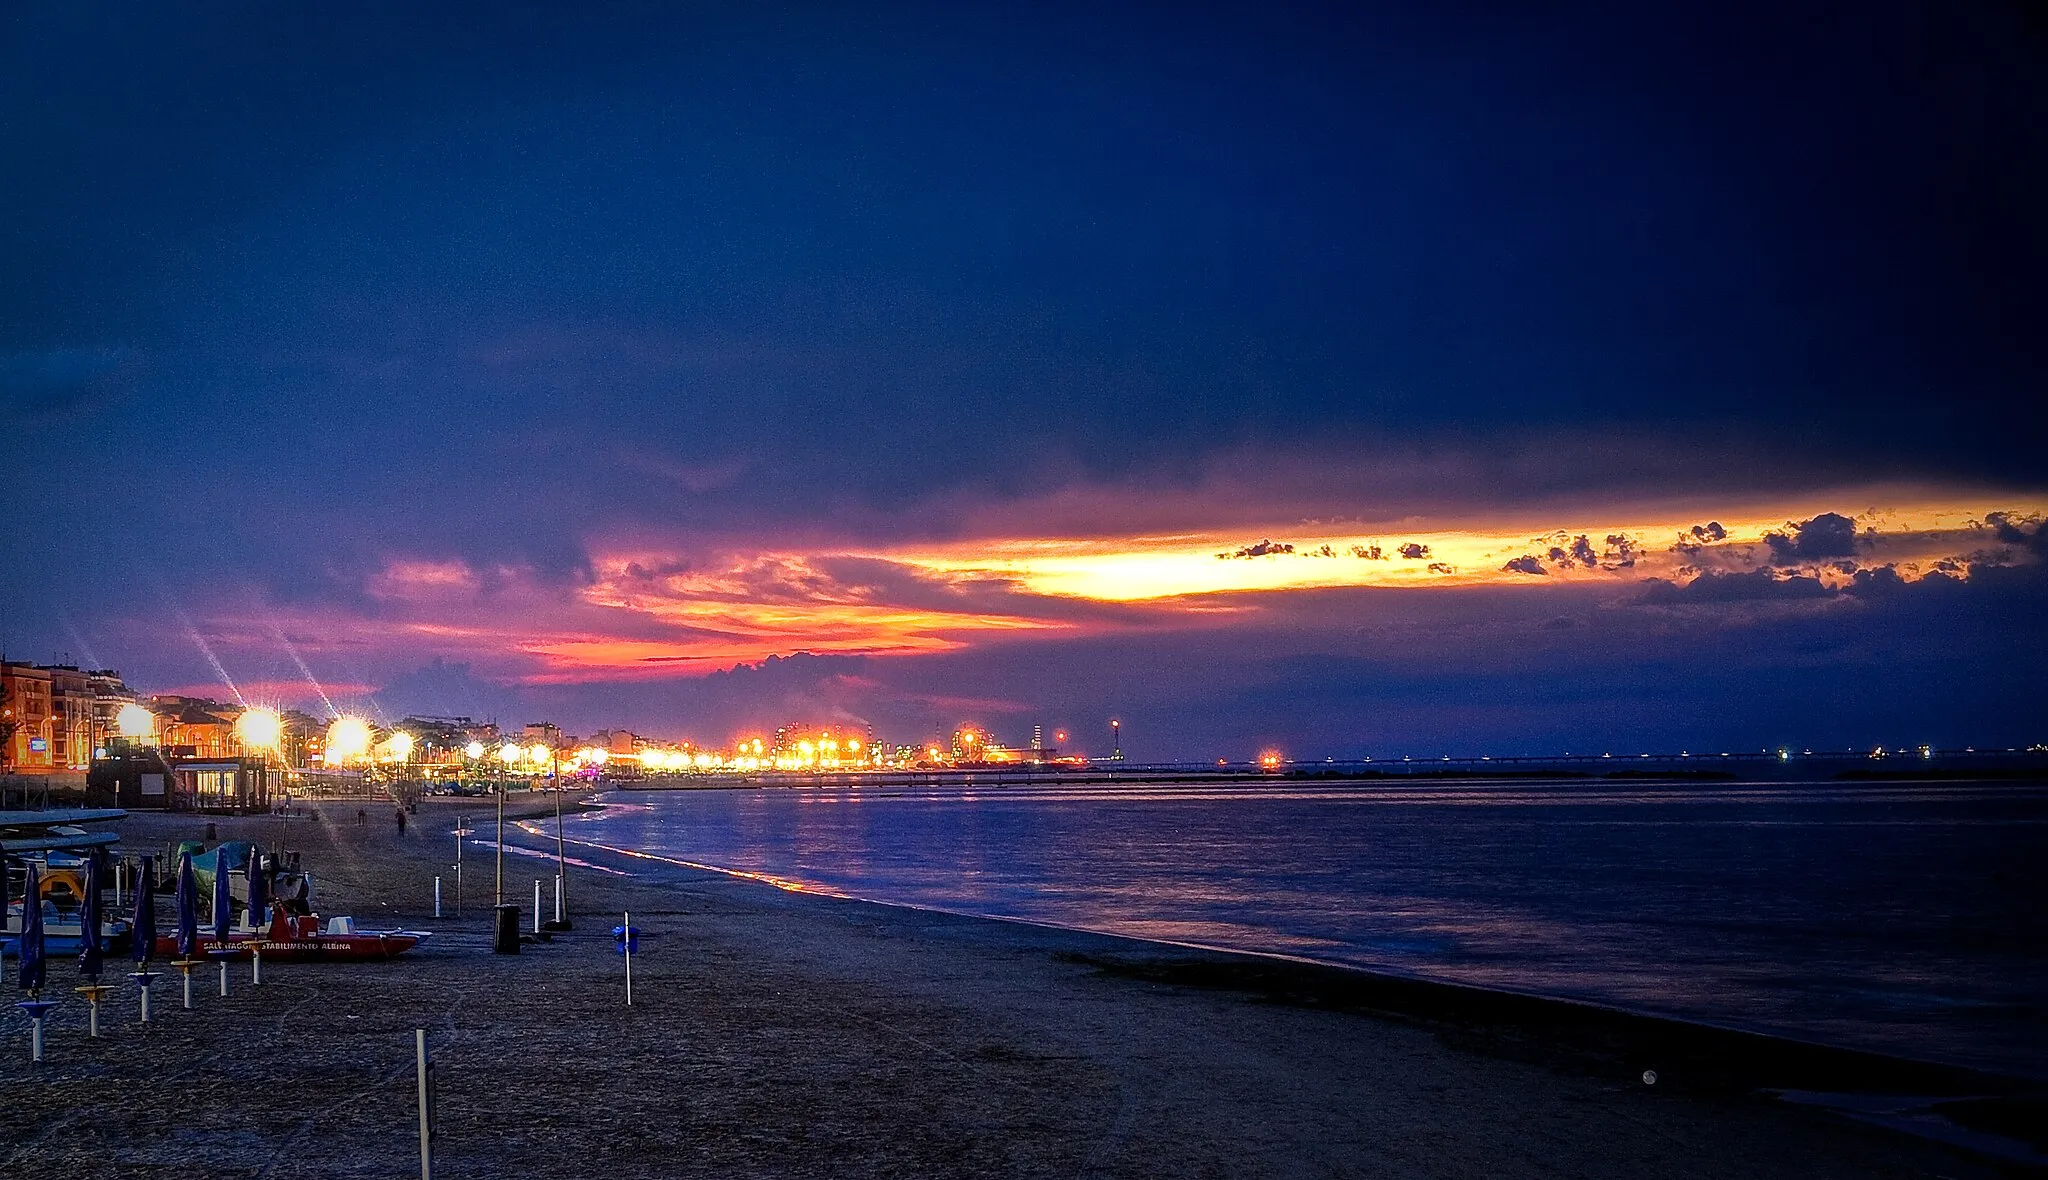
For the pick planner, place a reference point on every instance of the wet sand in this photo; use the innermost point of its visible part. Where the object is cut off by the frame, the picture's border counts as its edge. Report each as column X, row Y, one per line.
column 785, row 1034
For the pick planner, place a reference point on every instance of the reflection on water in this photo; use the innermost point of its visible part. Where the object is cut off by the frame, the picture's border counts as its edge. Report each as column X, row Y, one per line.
column 1895, row 916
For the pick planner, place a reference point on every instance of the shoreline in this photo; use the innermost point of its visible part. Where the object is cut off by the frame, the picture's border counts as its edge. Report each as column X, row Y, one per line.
column 779, row 1033
column 1991, row 1109
column 1285, row 977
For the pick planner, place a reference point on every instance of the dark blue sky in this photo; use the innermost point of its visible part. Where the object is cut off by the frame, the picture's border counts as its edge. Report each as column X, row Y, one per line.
column 299, row 301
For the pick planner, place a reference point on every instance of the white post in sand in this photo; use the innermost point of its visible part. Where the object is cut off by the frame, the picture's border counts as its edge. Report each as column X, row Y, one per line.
column 536, row 906
column 627, row 943
column 437, row 897
column 558, row 899
column 256, row 964
column 223, row 975
column 423, row 1071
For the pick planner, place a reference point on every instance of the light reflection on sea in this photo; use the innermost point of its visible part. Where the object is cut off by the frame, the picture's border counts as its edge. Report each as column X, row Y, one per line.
column 1901, row 917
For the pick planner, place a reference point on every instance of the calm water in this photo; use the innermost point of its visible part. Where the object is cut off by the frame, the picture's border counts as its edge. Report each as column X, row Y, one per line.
column 1903, row 917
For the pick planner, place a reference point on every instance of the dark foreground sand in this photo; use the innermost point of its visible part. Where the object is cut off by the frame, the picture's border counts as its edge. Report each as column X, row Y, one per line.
column 777, row 1034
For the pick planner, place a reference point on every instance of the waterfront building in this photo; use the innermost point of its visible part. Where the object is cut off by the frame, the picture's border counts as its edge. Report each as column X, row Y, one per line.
column 25, row 719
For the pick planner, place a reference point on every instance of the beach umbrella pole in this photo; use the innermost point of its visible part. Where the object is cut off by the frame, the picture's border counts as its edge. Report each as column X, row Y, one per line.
column 255, row 965
column 185, row 968
column 536, row 905
column 92, row 993
column 142, row 980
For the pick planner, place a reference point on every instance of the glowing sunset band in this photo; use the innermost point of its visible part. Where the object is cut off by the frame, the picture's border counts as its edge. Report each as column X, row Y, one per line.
column 653, row 611
column 1130, row 569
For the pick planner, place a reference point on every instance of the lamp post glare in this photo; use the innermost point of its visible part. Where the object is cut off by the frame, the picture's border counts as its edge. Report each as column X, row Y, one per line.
column 134, row 721
column 259, row 729
column 475, row 750
column 348, row 738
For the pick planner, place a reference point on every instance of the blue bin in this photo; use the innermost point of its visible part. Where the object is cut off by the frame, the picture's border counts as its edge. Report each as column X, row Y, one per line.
column 627, row 938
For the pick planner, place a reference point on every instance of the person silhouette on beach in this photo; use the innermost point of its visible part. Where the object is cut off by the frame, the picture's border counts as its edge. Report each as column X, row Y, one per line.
column 401, row 819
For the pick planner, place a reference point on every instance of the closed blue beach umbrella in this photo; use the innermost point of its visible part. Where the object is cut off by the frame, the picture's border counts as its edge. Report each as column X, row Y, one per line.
column 188, row 907
column 34, row 968
column 259, row 893
column 89, row 920
column 220, row 901
column 142, row 947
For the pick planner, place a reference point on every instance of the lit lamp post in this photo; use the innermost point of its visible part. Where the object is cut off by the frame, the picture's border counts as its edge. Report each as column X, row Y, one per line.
column 509, row 754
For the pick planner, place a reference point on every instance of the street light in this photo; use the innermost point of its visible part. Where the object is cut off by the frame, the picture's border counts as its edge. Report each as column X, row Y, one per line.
column 259, row 729
column 135, row 722
column 348, row 737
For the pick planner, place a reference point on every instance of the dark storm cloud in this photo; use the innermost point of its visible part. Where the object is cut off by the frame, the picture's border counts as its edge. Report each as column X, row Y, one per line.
column 1828, row 535
column 2030, row 532
column 1762, row 585
column 1259, row 549
column 1621, row 552
column 1709, row 532
column 1525, row 565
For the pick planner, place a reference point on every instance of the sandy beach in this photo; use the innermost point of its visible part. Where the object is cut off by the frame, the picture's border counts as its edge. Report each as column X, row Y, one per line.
column 776, row 1033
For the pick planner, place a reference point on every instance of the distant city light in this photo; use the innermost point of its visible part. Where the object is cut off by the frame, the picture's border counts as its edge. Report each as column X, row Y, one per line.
column 475, row 750
column 538, row 753
column 509, row 754
column 400, row 746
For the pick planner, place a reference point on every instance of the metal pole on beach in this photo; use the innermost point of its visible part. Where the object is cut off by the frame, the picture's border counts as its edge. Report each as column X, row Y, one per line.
column 627, row 942
column 437, row 897
column 536, row 906
column 501, row 845
column 423, row 1070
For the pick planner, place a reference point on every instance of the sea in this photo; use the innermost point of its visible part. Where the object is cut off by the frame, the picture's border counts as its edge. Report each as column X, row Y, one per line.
column 1904, row 917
